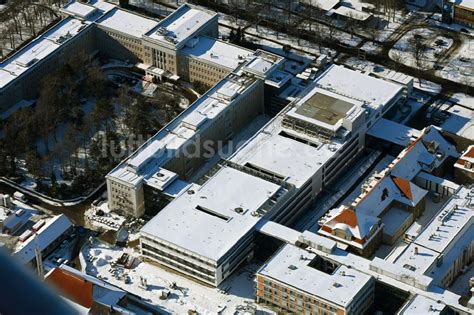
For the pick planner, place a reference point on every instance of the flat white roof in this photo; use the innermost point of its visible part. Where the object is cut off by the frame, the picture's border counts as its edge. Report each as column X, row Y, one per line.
column 180, row 25
column 39, row 49
column 449, row 229
column 460, row 121
column 278, row 231
column 423, row 305
column 216, row 51
column 395, row 276
column 79, row 9
column 126, row 22
column 338, row 288
column 393, row 132
column 352, row 13
column 325, row 5
column 146, row 161
column 47, row 234
column 91, row 11
column 212, row 232
column 393, row 219
column 420, row 262
column 359, row 86
column 282, row 156
column 455, row 216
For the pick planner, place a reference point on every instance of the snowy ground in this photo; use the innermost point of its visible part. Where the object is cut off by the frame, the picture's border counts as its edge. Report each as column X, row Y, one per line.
column 460, row 66
column 239, row 289
column 367, row 66
column 403, row 50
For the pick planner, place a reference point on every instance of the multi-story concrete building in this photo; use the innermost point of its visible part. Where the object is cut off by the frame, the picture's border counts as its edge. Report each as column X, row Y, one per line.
column 21, row 73
column 177, row 151
column 390, row 200
column 182, row 45
column 305, row 277
column 300, row 281
column 446, row 245
column 324, row 127
column 208, row 231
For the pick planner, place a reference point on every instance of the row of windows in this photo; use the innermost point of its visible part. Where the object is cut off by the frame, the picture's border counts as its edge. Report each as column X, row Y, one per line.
column 178, row 251
column 124, row 38
column 206, row 68
column 284, row 292
column 123, row 187
column 208, row 276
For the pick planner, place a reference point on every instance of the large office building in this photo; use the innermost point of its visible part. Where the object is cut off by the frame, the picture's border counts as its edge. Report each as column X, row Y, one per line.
column 326, row 126
column 391, row 199
column 159, row 169
column 298, row 280
column 208, row 231
column 313, row 275
column 446, row 246
column 183, row 45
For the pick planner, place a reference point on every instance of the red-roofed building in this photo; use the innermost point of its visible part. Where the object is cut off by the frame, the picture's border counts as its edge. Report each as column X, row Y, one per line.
column 390, row 200
column 93, row 295
column 75, row 288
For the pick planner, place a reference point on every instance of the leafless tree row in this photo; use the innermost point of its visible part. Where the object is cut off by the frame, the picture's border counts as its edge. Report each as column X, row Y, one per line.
column 23, row 19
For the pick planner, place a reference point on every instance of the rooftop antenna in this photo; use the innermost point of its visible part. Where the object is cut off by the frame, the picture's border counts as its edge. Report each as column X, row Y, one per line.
column 39, row 258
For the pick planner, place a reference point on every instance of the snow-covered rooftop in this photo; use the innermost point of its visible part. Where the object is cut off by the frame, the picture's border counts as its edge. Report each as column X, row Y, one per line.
column 445, row 235
column 325, row 5
column 455, row 216
column 39, row 49
column 420, row 304
column 79, row 9
column 358, row 86
column 351, row 13
column 126, row 22
column 393, row 219
column 216, row 51
column 460, row 121
column 181, row 25
column 340, row 287
column 273, row 152
column 272, row 149
column 204, row 220
column 47, row 234
column 392, row 184
column 264, row 63
column 91, row 11
column 163, row 146
column 393, row 132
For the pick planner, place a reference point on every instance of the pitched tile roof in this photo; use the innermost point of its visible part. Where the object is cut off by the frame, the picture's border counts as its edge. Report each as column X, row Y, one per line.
column 404, row 186
column 77, row 289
